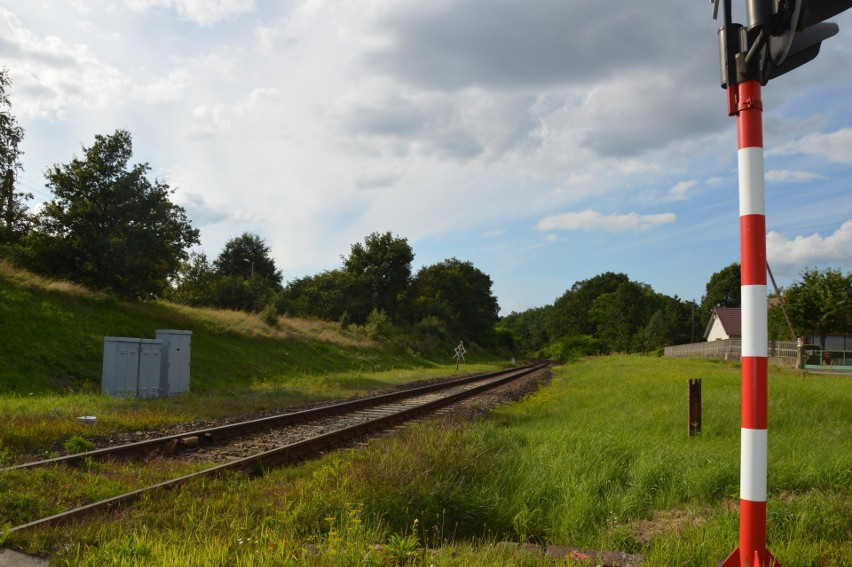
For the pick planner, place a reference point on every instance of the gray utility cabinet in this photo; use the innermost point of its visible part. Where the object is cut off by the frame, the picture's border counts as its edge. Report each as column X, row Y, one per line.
column 174, row 376
column 150, row 353
column 131, row 367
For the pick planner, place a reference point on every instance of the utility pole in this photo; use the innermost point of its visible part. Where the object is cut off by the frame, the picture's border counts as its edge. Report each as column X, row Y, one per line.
column 780, row 36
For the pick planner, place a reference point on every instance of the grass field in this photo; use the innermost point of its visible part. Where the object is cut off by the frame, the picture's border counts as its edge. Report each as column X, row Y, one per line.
column 599, row 459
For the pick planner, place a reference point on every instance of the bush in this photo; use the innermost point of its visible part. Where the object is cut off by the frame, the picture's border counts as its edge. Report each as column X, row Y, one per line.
column 379, row 326
column 270, row 315
column 78, row 444
column 572, row 348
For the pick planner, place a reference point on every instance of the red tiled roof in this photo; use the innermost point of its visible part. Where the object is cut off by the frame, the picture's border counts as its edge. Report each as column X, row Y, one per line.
column 730, row 319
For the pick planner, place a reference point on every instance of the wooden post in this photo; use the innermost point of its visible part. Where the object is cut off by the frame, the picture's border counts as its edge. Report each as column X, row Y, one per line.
column 694, row 407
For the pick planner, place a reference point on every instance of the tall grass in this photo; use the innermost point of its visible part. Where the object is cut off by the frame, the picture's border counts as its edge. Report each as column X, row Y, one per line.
column 599, row 459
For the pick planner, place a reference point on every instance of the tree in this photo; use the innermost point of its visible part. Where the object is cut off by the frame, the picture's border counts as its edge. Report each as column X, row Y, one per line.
column 457, row 293
column 531, row 329
column 247, row 256
column 194, row 282
column 723, row 290
column 618, row 316
column 383, row 264
column 109, row 227
column 670, row 324
column 13, row 213
column 332, row 295
column 821, row 303
column 572, row 311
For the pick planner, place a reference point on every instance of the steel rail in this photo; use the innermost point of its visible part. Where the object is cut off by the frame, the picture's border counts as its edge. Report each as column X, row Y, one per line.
column 292, row 452
column 208, row 436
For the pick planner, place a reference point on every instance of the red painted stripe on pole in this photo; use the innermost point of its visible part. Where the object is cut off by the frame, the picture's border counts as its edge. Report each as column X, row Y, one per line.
column 754, row 391
column 753, row 249
column 749, row 119
column 753, row 532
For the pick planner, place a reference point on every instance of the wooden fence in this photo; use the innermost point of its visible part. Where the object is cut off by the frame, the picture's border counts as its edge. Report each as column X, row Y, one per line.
column 780, row 352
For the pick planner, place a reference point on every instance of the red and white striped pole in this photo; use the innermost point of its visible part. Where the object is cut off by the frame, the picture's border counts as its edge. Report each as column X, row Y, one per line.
column 752, row 550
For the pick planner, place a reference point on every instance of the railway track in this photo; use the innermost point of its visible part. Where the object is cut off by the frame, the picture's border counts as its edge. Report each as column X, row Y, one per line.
column 254, row 445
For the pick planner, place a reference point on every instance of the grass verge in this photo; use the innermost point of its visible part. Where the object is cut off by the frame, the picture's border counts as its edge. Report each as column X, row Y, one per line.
column 599, row 459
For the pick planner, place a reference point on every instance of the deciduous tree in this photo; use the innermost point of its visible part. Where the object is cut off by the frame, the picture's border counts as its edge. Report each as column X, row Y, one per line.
column 459, row 294
column 723, row 290
column 111, row 228
column 14, row 219
column 821, row 303
column 383, row 264
column 247, row 256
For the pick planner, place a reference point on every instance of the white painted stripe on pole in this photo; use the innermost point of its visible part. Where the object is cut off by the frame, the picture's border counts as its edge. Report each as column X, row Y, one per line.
column 752, row 199
column 753, row 459
column 755, row 336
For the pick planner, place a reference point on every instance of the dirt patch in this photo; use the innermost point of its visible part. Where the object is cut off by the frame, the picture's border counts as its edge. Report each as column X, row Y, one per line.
column 666, row 523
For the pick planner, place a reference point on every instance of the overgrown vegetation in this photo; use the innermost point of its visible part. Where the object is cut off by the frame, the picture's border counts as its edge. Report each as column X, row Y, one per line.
column 600, row 459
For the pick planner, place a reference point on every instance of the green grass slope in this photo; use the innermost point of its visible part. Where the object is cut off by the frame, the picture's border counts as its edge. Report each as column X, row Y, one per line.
column 53, row 332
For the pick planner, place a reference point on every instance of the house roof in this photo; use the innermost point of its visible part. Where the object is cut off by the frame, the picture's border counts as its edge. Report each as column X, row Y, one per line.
column 729, row 318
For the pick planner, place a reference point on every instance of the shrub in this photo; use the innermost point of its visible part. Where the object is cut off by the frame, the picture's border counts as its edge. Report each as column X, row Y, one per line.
column 378, row 326
column 270, row 315
column 572, row 348
column 78, row 444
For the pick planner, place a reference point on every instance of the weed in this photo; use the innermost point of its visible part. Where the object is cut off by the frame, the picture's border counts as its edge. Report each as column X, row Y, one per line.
column 78, row 444
column 404, row 549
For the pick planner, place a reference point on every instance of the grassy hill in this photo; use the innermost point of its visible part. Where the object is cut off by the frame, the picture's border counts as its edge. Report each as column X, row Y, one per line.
column 52, row 340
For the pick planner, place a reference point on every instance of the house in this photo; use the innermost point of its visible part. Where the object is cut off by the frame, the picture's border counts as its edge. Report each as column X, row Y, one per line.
column 724, row 324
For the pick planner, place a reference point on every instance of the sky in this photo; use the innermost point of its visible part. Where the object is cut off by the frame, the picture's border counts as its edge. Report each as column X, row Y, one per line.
column 545, row 141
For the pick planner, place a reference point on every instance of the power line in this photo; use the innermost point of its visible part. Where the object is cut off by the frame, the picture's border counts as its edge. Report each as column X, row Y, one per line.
column 806, row 227
column 782, row 232
column 781, row 236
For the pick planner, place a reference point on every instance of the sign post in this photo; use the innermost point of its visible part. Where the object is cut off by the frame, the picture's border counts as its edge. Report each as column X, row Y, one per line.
column 780, row 36
column 753, row 433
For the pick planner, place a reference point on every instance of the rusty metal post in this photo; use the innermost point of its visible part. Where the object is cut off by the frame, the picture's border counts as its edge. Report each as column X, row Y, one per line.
column 694, row 407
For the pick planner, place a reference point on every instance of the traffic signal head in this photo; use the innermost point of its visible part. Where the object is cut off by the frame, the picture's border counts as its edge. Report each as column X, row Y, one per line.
column 796, row 30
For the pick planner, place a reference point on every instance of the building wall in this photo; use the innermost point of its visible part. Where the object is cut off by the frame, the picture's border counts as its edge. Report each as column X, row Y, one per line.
column 717, row 332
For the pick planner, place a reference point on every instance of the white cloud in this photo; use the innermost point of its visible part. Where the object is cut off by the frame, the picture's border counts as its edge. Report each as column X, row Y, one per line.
column 55, row 75
column 210, row 120
column 788, row 256
column 679, row 191
column 835, row 146
column 202, row 12
column 787, row 176
column 165, row 89
column 592, row 220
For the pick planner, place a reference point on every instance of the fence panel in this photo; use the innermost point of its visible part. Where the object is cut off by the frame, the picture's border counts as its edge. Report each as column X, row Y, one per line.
column 731, row 349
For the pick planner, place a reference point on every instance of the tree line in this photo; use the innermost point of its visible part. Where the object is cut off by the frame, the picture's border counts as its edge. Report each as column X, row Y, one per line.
column 605, row 313
column 374, row 288
column 611, row 313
